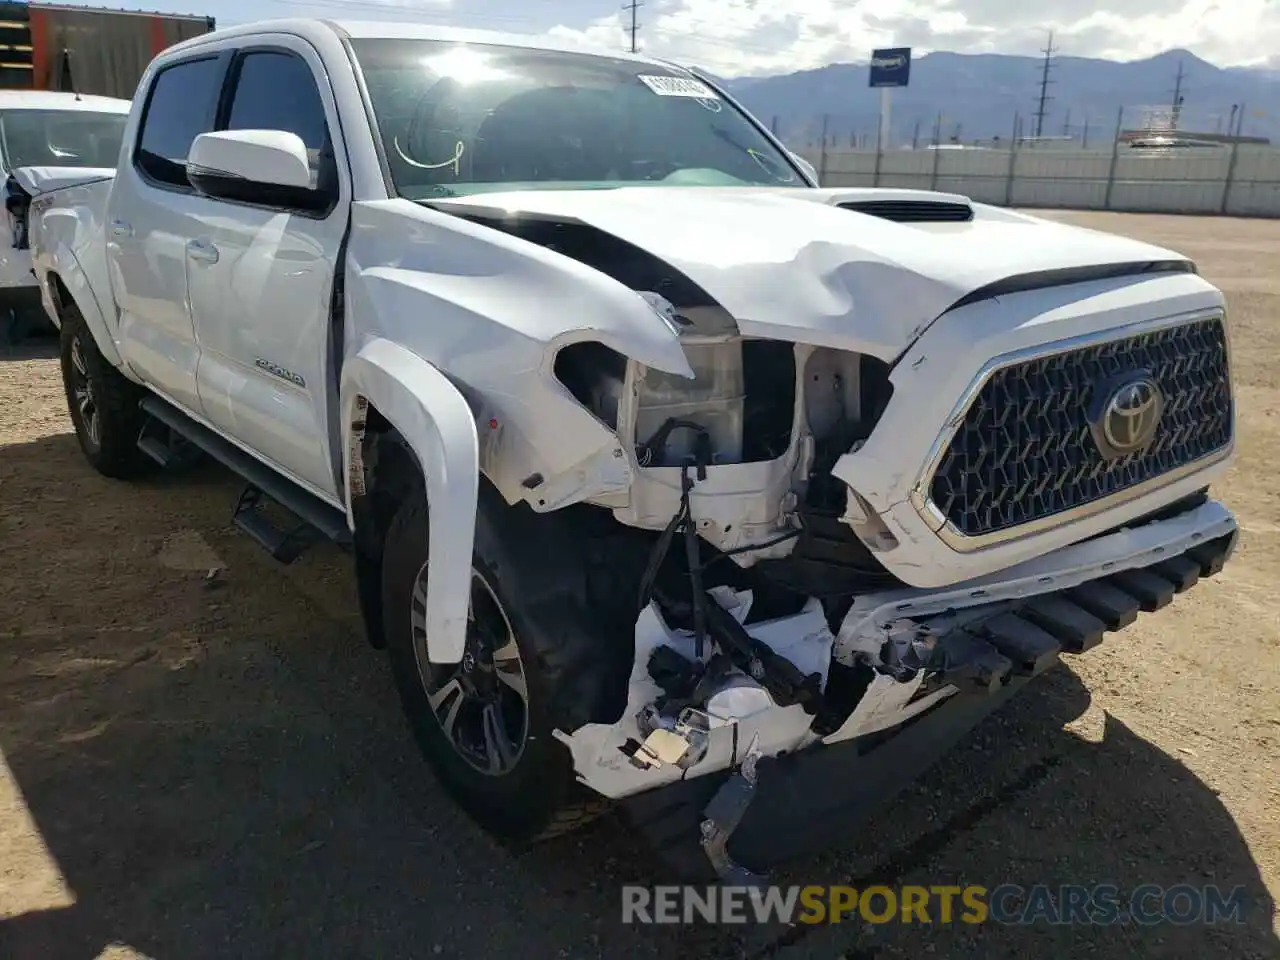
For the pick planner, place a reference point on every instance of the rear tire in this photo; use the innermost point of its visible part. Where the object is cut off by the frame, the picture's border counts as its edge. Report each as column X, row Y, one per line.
column 535, row 795
column 102, row 402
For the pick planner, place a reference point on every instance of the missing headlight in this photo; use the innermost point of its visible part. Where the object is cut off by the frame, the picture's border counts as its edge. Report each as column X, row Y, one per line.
column 741, row 400
column 672, row 412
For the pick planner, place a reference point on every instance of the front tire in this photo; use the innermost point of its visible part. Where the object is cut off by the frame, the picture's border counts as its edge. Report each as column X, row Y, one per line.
column 103, row 403
column 486, row 726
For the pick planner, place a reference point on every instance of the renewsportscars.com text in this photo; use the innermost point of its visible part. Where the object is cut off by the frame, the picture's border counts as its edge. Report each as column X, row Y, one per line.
column 1098, row 905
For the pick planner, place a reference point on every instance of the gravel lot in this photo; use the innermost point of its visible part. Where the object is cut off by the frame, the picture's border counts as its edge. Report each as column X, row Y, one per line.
column 199, row 768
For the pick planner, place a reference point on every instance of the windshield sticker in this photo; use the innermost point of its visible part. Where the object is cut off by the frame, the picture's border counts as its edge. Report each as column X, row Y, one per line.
column 678, row 87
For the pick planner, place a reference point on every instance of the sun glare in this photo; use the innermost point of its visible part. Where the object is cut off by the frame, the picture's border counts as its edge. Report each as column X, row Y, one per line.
column 465, row 66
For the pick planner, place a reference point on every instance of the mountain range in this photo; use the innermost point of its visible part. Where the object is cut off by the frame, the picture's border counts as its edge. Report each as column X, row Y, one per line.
column 979, row 96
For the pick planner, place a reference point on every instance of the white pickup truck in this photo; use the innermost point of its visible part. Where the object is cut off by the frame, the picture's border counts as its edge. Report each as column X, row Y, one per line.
column 669, row 477
column 40, row 128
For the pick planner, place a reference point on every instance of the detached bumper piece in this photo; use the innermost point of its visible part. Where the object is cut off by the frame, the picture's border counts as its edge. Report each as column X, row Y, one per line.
column 798, row 804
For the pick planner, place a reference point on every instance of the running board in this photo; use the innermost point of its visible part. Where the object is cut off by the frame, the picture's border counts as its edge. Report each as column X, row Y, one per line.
column 264, row 483
column 166, row 446
column 285, row 546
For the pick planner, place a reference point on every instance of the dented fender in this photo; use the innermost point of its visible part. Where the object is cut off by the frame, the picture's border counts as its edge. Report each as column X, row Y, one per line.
column 490, row 311
column 437, row 423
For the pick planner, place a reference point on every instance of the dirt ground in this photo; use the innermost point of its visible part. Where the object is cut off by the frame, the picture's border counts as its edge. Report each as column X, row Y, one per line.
column 198, row 767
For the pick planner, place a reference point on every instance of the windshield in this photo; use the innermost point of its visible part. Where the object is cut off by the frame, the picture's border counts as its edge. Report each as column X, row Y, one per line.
column 465, row 118
column 60, row 138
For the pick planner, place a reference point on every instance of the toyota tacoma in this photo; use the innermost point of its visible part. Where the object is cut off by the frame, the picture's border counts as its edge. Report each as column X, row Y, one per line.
column 671, row 479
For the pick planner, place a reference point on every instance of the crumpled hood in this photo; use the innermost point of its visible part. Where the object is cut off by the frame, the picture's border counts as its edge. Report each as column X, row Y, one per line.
column 790, row 264
column 40, row 180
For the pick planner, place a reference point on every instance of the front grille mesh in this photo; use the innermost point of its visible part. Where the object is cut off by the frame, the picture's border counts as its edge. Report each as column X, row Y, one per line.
column 1025, row 452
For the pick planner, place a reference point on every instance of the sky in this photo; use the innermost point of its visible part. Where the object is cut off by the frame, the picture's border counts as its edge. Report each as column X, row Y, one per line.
column 759, row 37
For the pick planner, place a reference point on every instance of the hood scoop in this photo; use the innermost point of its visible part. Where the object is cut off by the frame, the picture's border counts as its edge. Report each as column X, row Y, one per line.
column 912, row 211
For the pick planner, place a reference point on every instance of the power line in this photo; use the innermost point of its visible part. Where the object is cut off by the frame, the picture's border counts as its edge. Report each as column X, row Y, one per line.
column 449, row 16
column 1177, row 98
column 1042, row 106
column 633, row 6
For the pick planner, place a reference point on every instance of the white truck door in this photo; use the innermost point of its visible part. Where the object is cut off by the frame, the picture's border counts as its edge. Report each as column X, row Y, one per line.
column 261, row 273
column 150, row 218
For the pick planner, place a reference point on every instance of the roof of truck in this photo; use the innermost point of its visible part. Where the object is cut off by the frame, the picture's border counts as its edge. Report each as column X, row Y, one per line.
column 392, row 30
column 377, row 29
column 54, row 100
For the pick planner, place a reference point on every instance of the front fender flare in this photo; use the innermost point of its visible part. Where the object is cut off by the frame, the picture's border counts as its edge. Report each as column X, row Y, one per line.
column 438, row 425
column 63, row 263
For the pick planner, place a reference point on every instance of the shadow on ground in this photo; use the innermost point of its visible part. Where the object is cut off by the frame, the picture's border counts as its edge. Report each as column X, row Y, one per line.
column 218, row 767
column 42, row 346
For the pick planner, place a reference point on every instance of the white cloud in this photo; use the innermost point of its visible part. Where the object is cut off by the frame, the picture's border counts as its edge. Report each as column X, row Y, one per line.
column 745, row 37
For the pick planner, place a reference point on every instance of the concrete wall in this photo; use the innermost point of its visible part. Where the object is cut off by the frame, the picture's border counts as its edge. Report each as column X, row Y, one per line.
column 1241, row 180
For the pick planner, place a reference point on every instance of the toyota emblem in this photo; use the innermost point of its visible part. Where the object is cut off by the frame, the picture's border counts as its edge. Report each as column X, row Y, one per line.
column 1131, row 415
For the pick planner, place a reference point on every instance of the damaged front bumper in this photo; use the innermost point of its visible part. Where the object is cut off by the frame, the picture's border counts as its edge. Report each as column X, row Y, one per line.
column 693, row 784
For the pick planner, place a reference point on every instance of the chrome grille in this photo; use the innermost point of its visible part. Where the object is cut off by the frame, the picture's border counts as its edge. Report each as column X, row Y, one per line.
column 1024, row 451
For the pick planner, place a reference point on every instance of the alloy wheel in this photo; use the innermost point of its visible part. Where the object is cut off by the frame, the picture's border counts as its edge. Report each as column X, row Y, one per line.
column 82, row 394
column 481, row 703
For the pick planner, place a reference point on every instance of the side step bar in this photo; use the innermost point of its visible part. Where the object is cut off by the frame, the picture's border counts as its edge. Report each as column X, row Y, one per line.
column 317, row 516
column 167, row 447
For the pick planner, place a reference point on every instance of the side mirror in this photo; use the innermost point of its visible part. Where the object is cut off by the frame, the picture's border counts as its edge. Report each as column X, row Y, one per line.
column 805, row 165
column 268, row 167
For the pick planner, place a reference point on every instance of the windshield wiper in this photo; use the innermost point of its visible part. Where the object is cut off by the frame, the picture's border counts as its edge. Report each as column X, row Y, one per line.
column 764, row 161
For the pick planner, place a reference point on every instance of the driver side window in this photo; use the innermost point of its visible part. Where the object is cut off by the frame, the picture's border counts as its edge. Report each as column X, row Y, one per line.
column 180, row 107
column 276, row 90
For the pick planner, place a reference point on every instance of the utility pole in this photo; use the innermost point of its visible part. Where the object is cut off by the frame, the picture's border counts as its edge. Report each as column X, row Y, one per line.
column 633, row 6
column 1177, row 97
column 1066, row 124
column 1042, row 106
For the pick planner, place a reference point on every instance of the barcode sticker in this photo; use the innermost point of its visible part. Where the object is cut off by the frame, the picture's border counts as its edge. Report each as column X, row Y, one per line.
column 678, row 87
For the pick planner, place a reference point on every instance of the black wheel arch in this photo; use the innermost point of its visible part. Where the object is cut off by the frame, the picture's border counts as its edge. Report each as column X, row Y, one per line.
column 574, row 568
column 391, row 474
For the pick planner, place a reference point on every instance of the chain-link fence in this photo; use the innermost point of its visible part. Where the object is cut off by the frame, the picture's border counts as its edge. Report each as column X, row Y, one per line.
column 1140, row 170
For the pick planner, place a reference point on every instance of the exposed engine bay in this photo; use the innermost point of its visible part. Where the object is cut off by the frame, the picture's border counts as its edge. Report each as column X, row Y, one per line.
column 17, row 202
column 751, row 439
column 736, row 614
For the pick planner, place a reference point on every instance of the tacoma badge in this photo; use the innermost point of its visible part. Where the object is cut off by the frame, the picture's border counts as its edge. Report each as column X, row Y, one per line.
column 279, row 371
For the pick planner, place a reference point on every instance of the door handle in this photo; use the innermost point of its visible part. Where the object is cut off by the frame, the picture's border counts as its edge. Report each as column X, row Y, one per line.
column 120, row 228
column 202, row 251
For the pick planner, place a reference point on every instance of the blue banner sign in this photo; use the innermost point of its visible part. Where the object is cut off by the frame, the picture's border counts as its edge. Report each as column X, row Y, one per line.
column 891, row 67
